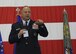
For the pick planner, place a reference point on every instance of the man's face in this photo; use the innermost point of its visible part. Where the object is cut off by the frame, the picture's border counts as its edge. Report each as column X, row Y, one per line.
column 26, row 12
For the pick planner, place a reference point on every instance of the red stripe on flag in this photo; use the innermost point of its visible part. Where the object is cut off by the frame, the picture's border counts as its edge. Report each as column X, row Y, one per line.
column 46, row 13
column 47, row 47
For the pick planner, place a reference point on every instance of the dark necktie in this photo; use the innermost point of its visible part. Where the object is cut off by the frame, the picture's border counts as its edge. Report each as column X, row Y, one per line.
column 26, row 23
column 25, row 26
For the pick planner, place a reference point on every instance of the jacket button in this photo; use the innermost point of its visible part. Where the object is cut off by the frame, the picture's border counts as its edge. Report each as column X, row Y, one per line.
column 26, row 43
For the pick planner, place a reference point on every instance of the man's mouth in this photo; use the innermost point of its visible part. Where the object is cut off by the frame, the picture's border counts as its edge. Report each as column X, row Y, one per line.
column 27, row 16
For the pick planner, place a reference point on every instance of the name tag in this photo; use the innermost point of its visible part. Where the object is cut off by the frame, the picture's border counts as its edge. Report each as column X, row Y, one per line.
column 26, row 33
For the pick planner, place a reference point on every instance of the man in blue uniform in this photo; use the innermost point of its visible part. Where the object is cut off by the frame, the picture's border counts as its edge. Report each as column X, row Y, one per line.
column 25, row 33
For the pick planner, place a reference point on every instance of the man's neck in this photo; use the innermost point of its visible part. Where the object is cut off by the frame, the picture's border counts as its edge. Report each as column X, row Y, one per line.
column 26, row 19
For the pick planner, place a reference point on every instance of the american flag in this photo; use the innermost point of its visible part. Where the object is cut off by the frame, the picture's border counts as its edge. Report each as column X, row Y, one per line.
column 51, row 12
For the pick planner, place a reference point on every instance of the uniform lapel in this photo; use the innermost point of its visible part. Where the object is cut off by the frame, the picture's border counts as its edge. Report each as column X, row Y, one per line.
column 30, row 23
column 21, row 24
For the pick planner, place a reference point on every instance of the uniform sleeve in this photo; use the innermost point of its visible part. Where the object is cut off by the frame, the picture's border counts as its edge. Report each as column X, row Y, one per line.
column 13, row 37
column 43, row 30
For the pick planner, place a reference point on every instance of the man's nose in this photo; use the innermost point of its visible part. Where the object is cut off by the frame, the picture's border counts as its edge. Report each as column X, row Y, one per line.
column 27, row 12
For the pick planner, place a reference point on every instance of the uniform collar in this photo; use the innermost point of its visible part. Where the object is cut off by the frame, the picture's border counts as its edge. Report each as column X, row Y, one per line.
column 23, row 21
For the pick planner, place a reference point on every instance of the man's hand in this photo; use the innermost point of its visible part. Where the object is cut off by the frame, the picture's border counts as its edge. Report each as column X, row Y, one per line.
column 21, row 32
column 39, row 22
